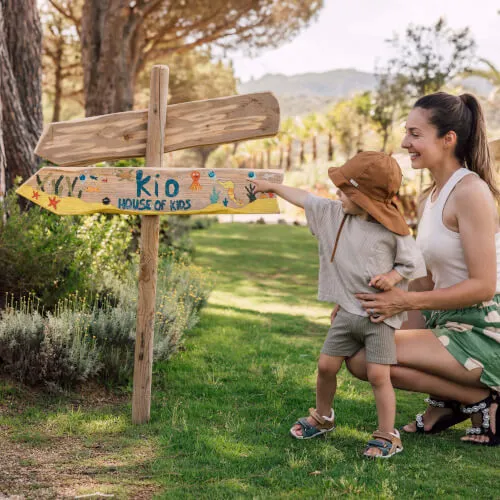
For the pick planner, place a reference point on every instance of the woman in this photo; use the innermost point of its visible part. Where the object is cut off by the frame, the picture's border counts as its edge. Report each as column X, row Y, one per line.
column 455, row 357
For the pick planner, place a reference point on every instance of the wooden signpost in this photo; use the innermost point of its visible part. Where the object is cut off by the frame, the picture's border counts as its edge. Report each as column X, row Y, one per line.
column 76, row 187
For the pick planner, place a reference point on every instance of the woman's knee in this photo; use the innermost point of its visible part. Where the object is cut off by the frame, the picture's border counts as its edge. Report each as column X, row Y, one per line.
column 357, row 365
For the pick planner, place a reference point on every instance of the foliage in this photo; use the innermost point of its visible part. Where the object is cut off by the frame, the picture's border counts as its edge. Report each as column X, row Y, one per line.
column 53, row 256
column 430, row 56
column 84, row 339
column 146, row 32
column 349, row 119
column 389, row 102
column 492, row 74
column 61, row 59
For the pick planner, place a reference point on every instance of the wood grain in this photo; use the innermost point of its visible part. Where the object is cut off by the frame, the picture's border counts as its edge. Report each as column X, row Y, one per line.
column 123, row 135
column 150, row 227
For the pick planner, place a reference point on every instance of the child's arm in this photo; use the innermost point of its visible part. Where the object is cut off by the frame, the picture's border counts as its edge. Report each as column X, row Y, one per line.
column 385, row 281
column 295, row 196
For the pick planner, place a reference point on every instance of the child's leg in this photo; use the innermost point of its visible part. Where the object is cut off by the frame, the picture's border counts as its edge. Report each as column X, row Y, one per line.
column 379, row 377
column 326, row 382
column 326, row 386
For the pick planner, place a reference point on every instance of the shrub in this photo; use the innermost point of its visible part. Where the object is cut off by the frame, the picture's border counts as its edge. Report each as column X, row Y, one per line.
column 82, row 339
column 53, row 256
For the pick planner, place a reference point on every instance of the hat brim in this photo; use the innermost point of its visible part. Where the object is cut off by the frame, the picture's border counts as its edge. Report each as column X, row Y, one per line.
column 387, row 214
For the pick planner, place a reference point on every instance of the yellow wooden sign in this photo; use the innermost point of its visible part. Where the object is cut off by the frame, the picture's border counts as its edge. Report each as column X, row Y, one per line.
column 150, row 191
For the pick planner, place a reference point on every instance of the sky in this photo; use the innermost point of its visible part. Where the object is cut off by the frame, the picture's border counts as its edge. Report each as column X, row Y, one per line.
column 352, row 34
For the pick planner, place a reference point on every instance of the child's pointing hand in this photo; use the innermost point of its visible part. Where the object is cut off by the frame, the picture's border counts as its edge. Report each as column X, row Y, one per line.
column 262, row 186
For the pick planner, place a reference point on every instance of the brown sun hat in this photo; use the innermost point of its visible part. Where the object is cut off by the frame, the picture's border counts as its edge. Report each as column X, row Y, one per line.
column 371, row 180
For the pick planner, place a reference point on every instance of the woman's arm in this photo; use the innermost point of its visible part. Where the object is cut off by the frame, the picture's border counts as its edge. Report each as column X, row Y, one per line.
column 423, row 284
column 295, row 196
column 476, row 219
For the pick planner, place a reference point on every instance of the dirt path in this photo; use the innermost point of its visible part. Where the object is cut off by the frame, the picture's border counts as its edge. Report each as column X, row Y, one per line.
column 38, row 464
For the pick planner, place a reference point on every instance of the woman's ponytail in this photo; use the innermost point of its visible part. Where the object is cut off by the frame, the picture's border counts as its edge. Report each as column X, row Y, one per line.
column 477, row 152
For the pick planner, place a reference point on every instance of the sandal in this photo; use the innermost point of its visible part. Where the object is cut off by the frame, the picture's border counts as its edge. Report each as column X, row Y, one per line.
column 490, row 417
column 323, row 425
column 388, row 444
column 445, row 422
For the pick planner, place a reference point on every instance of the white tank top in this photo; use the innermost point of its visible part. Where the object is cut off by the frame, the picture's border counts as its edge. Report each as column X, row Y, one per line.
column 442, row 248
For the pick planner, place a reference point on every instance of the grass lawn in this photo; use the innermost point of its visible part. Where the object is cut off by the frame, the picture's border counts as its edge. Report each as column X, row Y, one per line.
column 222, row 407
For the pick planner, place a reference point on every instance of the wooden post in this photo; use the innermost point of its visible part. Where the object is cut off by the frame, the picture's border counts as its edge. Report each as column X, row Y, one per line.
column 150, row 225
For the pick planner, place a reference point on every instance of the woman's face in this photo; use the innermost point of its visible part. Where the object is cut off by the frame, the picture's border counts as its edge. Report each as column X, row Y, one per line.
column 425, row 147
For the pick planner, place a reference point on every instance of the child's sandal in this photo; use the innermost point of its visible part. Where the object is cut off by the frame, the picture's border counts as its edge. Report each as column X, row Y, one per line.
column 387, row 444
column 323, row 425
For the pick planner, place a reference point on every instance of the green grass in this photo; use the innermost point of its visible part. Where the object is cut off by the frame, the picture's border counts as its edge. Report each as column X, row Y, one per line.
column 222, row 408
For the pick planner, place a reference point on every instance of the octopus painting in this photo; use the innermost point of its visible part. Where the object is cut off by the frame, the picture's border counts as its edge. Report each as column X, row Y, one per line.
column 195, row 186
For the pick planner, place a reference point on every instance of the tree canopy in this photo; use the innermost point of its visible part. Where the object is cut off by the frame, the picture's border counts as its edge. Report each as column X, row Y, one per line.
column 120, row 37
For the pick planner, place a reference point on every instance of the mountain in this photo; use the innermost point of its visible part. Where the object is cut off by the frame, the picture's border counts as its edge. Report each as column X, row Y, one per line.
column 308, row 92
column 314, row 92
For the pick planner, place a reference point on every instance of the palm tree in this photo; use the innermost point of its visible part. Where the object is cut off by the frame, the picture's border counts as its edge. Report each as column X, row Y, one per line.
column 313, row 124
column 286, row 134
column 492, row 74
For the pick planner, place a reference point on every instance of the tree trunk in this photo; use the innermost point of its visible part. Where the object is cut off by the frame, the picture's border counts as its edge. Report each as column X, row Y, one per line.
column 109, row 49
column 301, row 154
column 280, row 163
column 268, row 159
column 330, row 146
column 20, row 91
column 204, row 152
column 385, row 138
column 315, row 147
column 289, row 156
column 56, row 115
column 3, row 161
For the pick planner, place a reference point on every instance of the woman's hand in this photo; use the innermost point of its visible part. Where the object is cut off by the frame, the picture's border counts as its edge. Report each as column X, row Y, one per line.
column 383, row 305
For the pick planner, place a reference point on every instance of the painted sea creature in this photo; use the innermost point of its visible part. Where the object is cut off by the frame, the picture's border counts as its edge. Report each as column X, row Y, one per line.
column 124, row 175
column 212, row 174
column 229, row 186
column 214, row 196
column 225, row 202
column 251, row 175
column 195, row 186
column 92, row 189
column 53, row 202
column 251, row 192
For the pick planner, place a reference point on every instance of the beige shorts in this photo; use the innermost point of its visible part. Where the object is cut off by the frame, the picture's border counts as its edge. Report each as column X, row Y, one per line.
column 349, row 333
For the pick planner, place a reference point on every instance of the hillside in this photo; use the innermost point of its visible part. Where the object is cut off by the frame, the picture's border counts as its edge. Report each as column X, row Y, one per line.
column 304, row 93
column 308, row 92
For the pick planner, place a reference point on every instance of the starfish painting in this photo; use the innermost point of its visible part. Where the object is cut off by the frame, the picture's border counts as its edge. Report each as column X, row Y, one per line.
column 53, row 202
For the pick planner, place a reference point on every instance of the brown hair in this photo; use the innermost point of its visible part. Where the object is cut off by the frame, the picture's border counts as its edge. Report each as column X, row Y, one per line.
column 464, row 116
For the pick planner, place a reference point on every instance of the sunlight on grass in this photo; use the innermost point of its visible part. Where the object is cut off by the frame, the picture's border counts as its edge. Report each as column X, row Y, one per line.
column 255, row 301
column 77, row 422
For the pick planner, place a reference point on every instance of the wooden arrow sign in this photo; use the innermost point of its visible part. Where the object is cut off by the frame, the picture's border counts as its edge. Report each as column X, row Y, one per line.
column 191, row 124
column 150, row 191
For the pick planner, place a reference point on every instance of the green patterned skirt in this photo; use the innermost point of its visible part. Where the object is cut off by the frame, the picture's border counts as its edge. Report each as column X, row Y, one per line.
column 472, row 337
